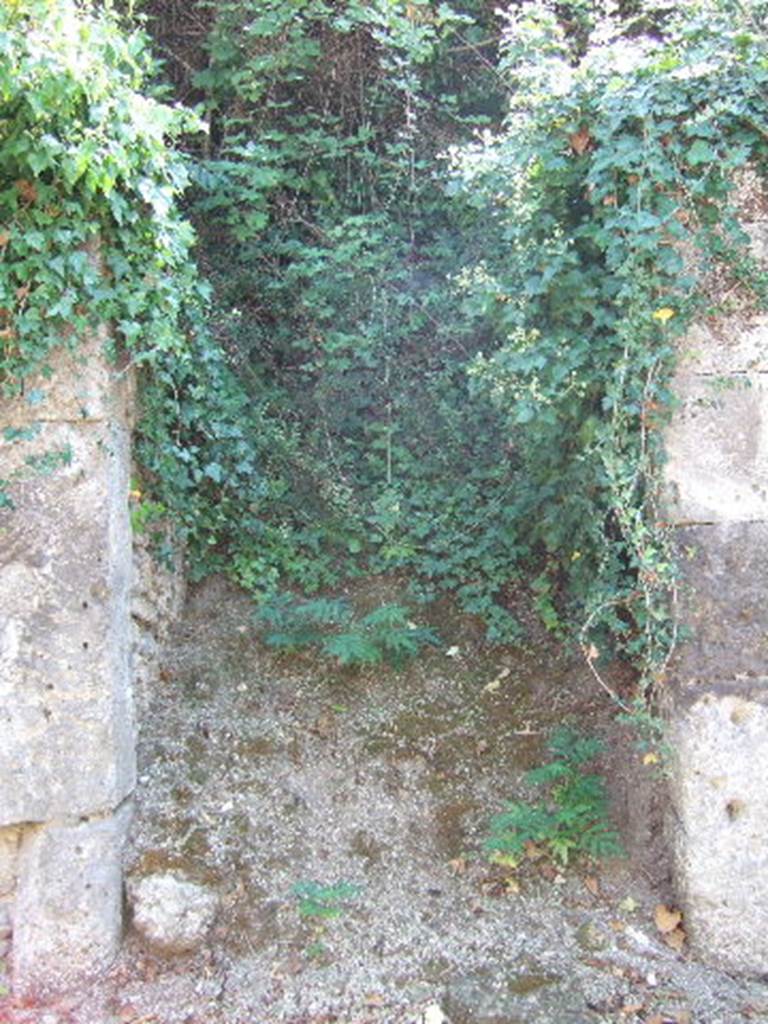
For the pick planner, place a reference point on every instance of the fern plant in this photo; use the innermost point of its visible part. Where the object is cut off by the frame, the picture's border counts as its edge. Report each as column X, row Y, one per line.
column 383, row 635
column 325, row 901
column 572, row 819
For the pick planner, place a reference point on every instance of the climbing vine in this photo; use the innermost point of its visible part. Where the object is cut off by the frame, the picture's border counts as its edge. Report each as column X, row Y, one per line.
column 612, row 192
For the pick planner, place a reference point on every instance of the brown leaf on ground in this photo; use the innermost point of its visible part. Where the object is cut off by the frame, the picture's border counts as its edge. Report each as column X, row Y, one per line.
column 666, row 918
column 631, row 1009
column 592, row 884
column 675, row 939
column 532, row 851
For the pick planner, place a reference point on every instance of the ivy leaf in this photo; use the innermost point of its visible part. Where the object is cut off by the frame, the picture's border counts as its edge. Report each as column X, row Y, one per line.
column 700, row 153
column 214, row 472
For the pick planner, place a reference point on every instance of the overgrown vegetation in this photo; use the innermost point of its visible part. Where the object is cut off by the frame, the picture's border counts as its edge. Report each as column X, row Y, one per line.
column 571, row 820
column 450, row 248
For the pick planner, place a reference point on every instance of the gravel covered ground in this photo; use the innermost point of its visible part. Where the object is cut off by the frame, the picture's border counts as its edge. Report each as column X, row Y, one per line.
column 260, row 773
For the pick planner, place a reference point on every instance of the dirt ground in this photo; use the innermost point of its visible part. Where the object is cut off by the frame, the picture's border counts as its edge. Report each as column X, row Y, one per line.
column 260, row 772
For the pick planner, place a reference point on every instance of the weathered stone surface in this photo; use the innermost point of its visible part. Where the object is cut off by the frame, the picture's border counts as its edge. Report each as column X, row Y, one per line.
column 720, row 828
column 83, row 386
column 716, row 480
column 717, row 441
column 68, row 910
column 722, row 603
column 157, row 599
column 65, row 566
column 171, row 913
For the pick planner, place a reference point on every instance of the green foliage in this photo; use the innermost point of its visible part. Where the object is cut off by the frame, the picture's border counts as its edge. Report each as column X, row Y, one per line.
column 384, row 635
column 324, row 901
column 572, row 820
column 88, row 228
column 450, row 251
column 609, row 199
column 90, row 234
column 332, row 247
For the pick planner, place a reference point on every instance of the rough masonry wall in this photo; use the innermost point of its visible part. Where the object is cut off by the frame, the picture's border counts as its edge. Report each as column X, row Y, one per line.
column 67, row 756
column 717, row 482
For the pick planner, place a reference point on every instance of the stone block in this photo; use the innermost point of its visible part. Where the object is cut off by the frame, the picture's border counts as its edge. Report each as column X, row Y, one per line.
column 722, row 605
column 720, row 828
column 65, row 572
column 82, row 385
column 717, row 448
column 725, row 347
column 68, row 910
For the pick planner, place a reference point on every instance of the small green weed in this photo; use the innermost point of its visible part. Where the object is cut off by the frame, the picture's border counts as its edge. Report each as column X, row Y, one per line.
column 383, row 635
column 324, row 901
column 572, row 819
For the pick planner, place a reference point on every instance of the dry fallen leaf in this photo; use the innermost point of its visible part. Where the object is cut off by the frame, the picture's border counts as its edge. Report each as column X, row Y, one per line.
column 630, row 1009
column 458, row 865
column 617, row 926
column 26, row 190
column 666, row 918
column 592, row 884
column 580, row 141
column 675, row 939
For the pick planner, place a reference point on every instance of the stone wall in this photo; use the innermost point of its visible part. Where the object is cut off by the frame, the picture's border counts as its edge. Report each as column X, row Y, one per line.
column 717, row 693
column 67, row 757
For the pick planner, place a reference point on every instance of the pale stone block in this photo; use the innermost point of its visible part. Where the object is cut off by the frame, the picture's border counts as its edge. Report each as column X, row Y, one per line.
column 66, row 704
column 68, row 911
column 717, row 449
column 726, row 347
column 720, row 830
column 722, row 604
column 82, row 385
column 66, row 713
